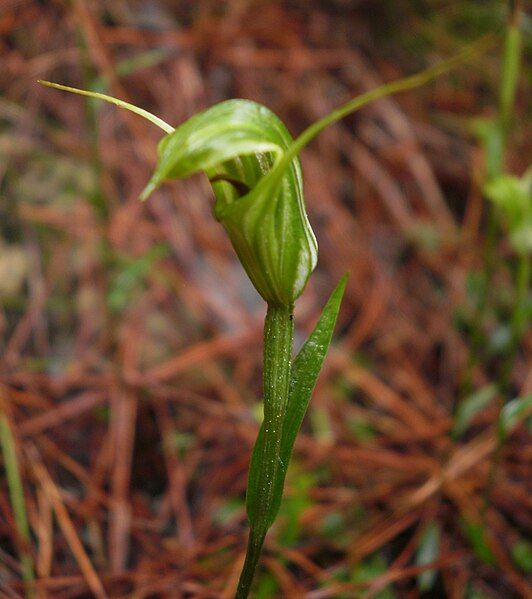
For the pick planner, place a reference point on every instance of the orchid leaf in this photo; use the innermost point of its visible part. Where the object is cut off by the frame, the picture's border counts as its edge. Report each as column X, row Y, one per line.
column 305, row 370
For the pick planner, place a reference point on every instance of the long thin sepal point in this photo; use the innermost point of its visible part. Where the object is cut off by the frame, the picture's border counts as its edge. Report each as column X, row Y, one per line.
column 126, row 105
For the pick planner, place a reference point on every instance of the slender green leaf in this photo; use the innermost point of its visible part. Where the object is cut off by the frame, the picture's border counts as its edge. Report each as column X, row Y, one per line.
column 522, row 555
column 307, row 366
column 428, row 551
column 16, row 495
column 469, row 407
column 477, row 537
column 305, row 371
column 514, row 412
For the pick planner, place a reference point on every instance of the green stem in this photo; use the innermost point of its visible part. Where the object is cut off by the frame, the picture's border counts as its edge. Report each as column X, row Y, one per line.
column 520, row 315
column 492, row 471
column 519, row 325
column 278, row 338
column 16, row 495
column 511, row 64
column 495, row 166
column 511, row 59
column 479, row 316
column 388, row 89
column 253, row 551
column 519, row 319
column 509, row 80
column 508, row 88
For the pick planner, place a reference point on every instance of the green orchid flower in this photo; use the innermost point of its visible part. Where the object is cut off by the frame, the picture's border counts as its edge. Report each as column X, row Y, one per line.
column 253, row 166
column 236, row 144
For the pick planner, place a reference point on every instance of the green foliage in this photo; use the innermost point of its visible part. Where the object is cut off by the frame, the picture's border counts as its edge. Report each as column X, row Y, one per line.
column 295, row 504
column 513, row 198
column 266, row 586
column 491, row 136
column 522, row 555
column 511, row 207
column 362, row 429
column 469, row 407
column 514, row 412
column 476, row 536
column 371, row 568
column 16, row 495
column 428, row 551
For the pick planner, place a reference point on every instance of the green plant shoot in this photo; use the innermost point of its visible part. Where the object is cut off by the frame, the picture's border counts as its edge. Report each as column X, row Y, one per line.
column 253, row 166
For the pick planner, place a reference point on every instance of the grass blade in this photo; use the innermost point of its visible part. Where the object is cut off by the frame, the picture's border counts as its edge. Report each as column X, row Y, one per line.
column 514, row 412
column 470, row 407
column 16, row 494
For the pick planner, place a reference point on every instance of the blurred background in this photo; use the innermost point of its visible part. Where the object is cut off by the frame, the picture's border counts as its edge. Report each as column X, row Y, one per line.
column 131, row 339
